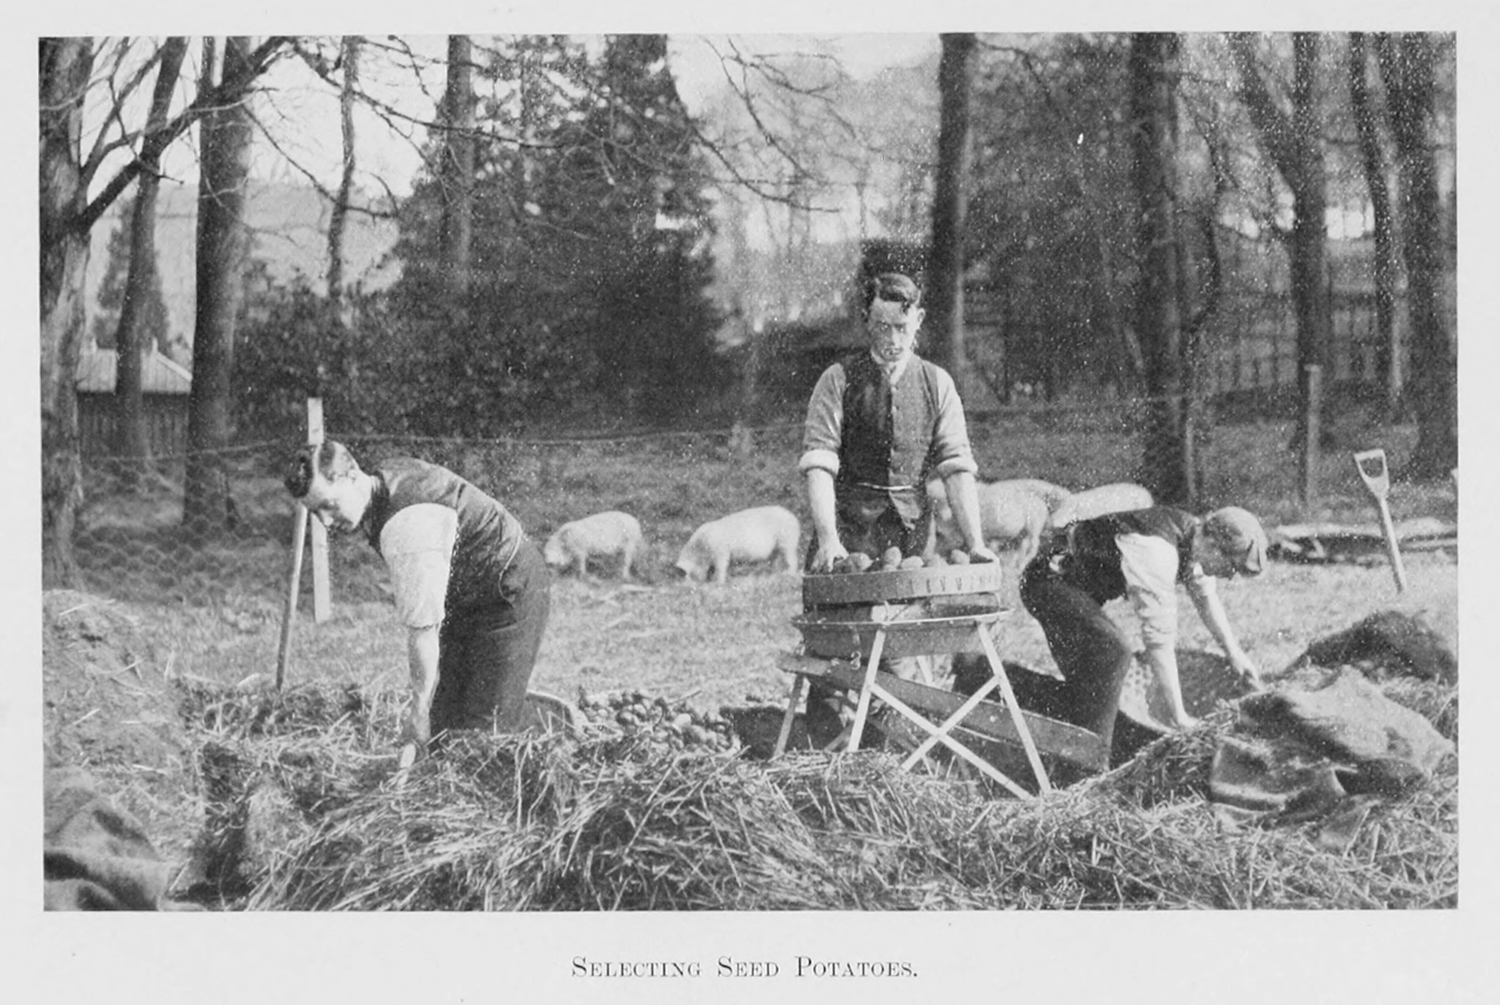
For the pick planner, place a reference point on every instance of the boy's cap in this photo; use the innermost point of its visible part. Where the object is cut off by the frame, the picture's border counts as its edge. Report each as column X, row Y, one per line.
column 1238, row 534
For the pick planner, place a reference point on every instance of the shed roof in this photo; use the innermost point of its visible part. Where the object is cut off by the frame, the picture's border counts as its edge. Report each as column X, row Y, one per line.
column 159, row 374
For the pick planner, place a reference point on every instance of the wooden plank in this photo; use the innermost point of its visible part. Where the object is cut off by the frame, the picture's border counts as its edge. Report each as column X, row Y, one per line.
column 949, row 741
column 989, row 719
column 899, row 584
column 798, row 683
column 317, row 533
column 1014, row 708
column 863, row 686
column 920, row 751
column 289, row 613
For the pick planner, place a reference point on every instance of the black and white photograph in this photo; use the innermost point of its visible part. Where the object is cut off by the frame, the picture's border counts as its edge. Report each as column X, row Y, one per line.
column 855, row 503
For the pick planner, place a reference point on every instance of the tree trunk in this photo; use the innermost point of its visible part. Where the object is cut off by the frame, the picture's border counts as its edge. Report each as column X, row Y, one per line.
column 140, row 279
column 222, row 249
column 457, row 169
column 1295, row 146
column 63, row 74
column 1406, row 62
column 1366, row 121
column 1154, row 69
column 945, row 257
column 340, row 213
column 738, row 274
column 1309, row 249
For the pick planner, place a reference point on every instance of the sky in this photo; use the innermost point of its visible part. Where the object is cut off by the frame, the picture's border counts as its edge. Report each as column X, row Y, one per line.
column 310, row 129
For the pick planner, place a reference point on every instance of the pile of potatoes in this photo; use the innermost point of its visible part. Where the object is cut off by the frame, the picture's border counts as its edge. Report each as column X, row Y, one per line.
column 891, row 561
column 672, row 724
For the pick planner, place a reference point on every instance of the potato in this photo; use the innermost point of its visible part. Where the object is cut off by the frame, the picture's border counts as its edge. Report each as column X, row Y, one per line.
column 860, row 561
column 934, row 560
column 958, row 557
column 911, row 562
column 891, row 557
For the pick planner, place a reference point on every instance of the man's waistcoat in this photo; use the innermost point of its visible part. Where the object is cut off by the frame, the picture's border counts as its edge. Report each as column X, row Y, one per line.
column 888, row 432
column 488, row 534
column 1093, row 560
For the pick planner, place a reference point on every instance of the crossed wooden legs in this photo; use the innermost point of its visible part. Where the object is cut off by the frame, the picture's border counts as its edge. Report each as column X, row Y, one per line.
column 874, row 684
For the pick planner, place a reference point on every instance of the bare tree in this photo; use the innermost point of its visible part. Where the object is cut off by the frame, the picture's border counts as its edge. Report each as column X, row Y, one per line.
column 338, row 217
column 945, row 257
column 1154, row 71
column 130, row 419
column 67, row 215
column 65, row 68
column 223, row 246
column 458, row 167
column 1367, row 119
column 1295, row 145
column 1407, row 63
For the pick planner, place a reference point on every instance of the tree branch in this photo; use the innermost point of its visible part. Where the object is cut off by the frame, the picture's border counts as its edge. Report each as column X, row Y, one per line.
column 229, row 91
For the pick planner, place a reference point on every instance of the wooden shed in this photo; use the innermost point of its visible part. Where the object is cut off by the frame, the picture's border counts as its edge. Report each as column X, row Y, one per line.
column 164, row 399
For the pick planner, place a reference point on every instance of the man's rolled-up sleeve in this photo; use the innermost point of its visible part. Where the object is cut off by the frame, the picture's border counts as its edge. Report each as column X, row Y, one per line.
column 951, row 452
column 1149, row 565
column 417, row 544
column 823, row 432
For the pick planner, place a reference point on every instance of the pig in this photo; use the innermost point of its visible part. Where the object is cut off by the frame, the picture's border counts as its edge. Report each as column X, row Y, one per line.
column 751, row 535
column 1012, row 515
column 1116, row 497
column 1053, row 495
column 603, row 534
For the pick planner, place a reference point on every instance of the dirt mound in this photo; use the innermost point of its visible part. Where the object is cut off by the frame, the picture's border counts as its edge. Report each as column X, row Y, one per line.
column 1386, row 644
column 105, row 699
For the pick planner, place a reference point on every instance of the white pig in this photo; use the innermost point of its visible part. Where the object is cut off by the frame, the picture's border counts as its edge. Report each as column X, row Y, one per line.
column 1012, row 515
column 751, row 535
column 603, row 534
column 1053, row 495
column 1116, row 497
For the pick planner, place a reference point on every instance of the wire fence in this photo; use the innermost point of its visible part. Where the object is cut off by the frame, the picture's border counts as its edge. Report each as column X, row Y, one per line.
column 226, row 571
column 134, row 541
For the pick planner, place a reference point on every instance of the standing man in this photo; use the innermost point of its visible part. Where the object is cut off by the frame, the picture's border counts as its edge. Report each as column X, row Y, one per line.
column 1143, row 555
column 879, row 424
column 471, row 589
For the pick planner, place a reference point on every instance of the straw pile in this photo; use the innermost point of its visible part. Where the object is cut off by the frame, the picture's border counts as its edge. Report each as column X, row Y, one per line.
column 607, row 820
column 270, row 764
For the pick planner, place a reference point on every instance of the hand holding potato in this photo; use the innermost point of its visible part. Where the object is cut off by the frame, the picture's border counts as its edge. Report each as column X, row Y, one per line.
column 980, row 553
column 827, row 554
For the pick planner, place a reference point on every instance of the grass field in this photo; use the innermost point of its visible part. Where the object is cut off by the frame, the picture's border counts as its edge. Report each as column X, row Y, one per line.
column 719, row 644
column 212, row 617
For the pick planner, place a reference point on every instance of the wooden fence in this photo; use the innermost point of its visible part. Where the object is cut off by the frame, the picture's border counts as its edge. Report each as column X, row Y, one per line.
column 166, row 424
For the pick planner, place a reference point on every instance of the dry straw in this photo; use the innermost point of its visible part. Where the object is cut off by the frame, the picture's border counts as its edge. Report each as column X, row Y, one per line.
column 609, row 822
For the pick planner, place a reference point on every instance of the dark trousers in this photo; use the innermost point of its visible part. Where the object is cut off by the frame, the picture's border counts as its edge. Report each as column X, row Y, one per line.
column 1091, row 652
column 486, row 655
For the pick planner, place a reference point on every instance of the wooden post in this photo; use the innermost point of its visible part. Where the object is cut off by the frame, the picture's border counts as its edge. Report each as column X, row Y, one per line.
column 321, row 595
column 302, row 521
column 1312, row 411
column 289, row 613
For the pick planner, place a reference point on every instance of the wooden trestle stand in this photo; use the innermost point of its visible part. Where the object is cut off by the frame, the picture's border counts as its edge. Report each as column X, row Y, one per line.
column 853, row 621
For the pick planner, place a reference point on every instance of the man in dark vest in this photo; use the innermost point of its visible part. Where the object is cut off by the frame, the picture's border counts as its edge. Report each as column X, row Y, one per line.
column 1142, row 555
column 880, row 423
column 471, row 588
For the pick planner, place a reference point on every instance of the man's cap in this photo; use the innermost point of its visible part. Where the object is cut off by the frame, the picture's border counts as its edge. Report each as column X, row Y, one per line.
column 1238, row 534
